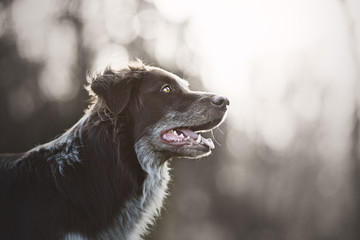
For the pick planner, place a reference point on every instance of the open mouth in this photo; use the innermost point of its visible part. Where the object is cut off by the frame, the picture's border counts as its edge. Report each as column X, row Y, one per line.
column 181, row 136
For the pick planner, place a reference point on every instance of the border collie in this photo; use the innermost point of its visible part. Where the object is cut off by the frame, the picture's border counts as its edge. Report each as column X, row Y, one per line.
column 106, row 177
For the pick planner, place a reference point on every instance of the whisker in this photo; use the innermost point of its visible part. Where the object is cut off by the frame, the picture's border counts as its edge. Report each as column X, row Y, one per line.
column 213, row 136
column 218, row 128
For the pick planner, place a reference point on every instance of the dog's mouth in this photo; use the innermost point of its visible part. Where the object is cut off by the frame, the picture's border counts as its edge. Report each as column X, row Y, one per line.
column 190, row 136
column 182, row 136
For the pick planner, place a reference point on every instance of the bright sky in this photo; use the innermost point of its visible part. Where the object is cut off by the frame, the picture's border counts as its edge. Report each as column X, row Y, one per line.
column 282, row 63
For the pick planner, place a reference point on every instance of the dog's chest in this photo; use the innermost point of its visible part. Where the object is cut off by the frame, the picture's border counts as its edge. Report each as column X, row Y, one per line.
column 139, row 212
column 154, row 192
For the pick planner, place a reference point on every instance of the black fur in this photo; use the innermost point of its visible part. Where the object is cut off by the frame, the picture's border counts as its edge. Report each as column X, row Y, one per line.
column 80, row 182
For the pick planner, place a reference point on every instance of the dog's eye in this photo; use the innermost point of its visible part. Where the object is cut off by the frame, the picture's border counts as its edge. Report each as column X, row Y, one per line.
column 166, row 89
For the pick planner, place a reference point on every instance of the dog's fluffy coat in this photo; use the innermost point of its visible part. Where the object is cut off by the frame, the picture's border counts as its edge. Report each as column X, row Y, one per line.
column 106, row 177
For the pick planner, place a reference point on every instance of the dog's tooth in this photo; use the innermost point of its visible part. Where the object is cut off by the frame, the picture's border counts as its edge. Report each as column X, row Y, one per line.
column 208, row 142
column 198, row 140
column 182, row 135
column 188, row 137
column 175, row 132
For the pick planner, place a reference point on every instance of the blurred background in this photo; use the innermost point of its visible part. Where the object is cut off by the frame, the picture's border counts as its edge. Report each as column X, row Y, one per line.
column 287, row 165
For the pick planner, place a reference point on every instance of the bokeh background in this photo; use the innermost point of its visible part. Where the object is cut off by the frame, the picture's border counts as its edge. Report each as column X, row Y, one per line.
column 287, row 165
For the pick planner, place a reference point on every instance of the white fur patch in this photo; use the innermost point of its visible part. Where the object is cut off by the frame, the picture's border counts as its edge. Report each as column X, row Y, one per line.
column 140, row 212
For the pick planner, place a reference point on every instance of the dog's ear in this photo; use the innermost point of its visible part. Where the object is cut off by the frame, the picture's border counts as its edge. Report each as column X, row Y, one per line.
column 113, row 89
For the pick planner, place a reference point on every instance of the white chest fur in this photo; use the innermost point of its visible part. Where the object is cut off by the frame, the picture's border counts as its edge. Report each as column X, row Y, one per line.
column 154, row 192
column 140, row 211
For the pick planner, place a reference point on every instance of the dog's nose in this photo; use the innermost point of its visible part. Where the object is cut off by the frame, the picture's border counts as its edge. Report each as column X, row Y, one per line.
column 220, row 101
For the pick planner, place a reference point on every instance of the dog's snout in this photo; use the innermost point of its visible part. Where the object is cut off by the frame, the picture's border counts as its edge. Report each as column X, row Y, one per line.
column 220, row 101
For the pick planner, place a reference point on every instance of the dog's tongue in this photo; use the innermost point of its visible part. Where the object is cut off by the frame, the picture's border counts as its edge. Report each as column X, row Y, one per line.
column 189, row 133
column 207, row 141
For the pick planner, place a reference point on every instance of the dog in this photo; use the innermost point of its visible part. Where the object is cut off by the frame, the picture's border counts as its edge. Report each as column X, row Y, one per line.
column 106, row 177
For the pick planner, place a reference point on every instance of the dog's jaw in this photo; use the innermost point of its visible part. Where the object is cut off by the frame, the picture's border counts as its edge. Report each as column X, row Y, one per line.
column 187, row 141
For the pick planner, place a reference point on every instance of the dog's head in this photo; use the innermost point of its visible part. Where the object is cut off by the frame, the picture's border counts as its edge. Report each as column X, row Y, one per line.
column 163, row 114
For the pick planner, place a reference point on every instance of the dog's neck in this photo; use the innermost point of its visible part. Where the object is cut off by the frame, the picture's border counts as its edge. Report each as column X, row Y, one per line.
column 157, row 173
column 140, row 212
column 145, row 194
